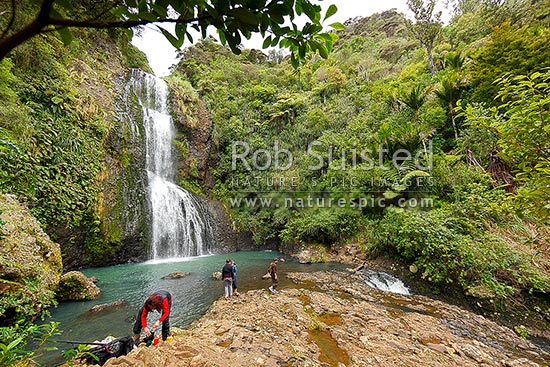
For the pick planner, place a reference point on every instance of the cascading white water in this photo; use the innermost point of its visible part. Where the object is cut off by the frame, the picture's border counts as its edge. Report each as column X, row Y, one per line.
column 384, row 282
column 179, row 226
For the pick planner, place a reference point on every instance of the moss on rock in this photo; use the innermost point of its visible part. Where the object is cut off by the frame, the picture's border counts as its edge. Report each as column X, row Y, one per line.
column 30, row 263
column 75, row 286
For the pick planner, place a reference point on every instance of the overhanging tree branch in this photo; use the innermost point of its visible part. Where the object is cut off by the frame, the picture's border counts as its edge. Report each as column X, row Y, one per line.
column 232, row 19
column 12, row 19
column 39, row 25
column 118, row 24
column 32, row 29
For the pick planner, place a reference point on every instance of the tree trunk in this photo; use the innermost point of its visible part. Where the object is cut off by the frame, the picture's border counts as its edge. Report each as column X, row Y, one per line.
column 430, row 59
column 32, row 29
column 9, row 43
column 452, row 113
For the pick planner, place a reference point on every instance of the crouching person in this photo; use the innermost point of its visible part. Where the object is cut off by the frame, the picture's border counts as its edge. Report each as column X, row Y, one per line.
column 160, row 301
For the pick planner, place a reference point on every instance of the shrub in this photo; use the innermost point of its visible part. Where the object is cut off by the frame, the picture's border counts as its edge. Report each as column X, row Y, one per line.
column 14, row 341
column 322, row 226
column 448, row 247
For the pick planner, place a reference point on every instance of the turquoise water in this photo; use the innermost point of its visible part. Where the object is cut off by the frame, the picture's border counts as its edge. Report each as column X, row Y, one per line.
column 192, row 295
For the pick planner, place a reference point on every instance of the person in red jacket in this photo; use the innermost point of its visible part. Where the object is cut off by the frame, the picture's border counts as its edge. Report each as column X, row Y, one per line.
column 160, row 301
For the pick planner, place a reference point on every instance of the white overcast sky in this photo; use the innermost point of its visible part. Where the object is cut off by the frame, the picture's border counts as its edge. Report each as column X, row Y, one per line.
column 161, row 54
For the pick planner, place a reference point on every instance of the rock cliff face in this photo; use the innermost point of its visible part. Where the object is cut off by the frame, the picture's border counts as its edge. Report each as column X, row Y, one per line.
column 123, row 205
column 198, row 157
column 195, row 126
column 334, row 319
column 227, row 238
column 30, row 263
column 122, row 209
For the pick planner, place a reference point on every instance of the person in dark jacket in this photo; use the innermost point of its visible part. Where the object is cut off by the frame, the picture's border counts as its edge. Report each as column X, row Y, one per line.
column 274, row 275
column 160, row 301
column 227, row 277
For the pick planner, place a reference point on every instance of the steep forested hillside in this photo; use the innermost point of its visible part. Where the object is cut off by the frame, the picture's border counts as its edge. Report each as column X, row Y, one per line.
column 57, row 126
column 308, row 156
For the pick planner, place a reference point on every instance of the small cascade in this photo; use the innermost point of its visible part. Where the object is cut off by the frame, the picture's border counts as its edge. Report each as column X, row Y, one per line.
column 384, row 282
column 179, row 224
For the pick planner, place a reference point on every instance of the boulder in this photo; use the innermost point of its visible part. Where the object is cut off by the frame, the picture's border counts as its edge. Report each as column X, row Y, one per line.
column 312, row 253
column 30, row 263
column 107, row 306
column 75, row 286
column 176, row 275
column 303, row 257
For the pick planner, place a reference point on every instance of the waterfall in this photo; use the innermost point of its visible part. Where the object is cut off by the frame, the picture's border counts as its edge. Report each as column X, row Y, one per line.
column 179, row 224
column 384, row 282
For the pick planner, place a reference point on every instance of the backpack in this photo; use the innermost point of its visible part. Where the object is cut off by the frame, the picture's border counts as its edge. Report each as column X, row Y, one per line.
column 100, row 354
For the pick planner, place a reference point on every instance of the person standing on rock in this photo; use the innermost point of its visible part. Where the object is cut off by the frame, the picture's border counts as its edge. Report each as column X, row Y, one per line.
column 274, row 275
column 160, row 301
column 235, row 293
column 227, row 277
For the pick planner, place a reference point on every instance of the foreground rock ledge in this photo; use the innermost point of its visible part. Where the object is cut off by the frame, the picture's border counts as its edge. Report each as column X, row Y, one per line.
column 334, row 319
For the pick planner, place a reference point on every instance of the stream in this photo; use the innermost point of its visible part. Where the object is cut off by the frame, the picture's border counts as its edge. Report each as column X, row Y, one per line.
column 192, row 295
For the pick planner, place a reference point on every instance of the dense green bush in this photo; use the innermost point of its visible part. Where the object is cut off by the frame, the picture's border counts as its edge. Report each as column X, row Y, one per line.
column 520, row 130
column 325, row 226
column 376, row 89
column 26, row 301
column 447, row 247
column 15, row 340
column 511, row 50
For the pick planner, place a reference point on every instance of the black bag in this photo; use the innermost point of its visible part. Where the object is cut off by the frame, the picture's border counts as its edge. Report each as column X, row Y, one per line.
column 116, row 348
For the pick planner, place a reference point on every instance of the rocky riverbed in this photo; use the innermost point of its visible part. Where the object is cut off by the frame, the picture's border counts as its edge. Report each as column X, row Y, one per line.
column 335, row 319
